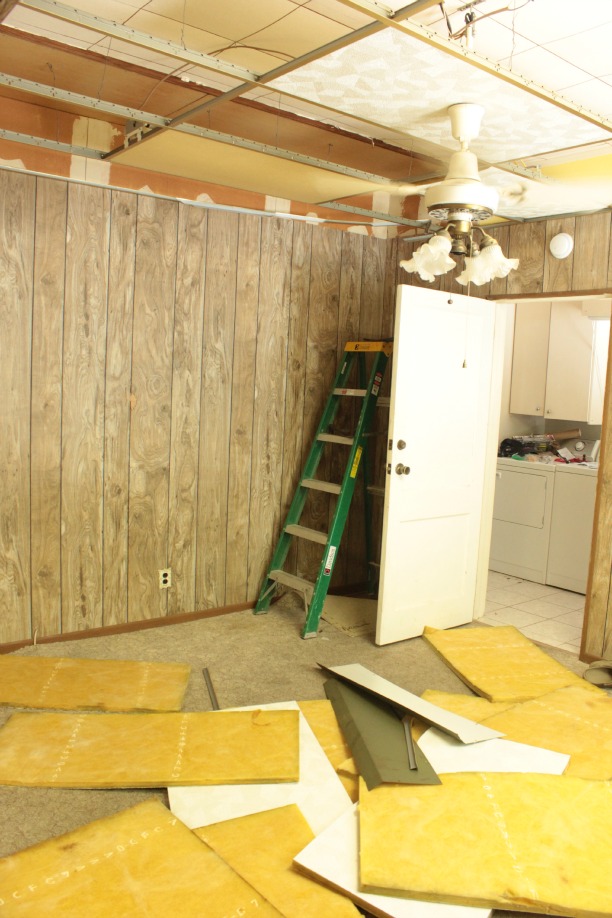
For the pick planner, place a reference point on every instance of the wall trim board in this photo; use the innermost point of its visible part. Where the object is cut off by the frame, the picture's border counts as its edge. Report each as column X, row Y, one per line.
column 549, row 295
column 107, row 631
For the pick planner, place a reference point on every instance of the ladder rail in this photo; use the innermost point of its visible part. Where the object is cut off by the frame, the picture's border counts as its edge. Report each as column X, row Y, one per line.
column 308, row 472
column 314, row 593
column 356, row 456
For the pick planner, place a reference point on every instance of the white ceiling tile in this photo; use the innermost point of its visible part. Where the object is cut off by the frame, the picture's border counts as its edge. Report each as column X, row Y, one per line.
column 588, row 50
column 546, row 69
column 408, row 85
column 298, row 33
column 338, row 12
column 173, row 30
column 544, row 21
column 30, row 21
column 594, row 95
column 233, row 20
column 495, row 42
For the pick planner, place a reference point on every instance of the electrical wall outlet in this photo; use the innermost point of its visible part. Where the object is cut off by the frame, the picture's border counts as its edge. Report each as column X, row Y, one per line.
column 165, row 578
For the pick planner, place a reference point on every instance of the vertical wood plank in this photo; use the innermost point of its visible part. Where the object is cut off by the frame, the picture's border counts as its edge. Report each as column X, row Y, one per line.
column 122, row 251
column 243, row 394
column 151, row 399
column 558, row 272
column 219, row 313
column 351, row 270
column 527, row 243
column 296, row 372
column 47, row 329
column 591, row 251
column 83, row 406
column 499, row 285
column 269, row 404
column 17, row 194
column 372, row 323
column 372, row 288
column 186, row 406
column 321, row 368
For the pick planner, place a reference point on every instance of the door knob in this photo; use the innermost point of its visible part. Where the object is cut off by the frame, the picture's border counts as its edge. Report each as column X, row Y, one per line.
column 401, row 469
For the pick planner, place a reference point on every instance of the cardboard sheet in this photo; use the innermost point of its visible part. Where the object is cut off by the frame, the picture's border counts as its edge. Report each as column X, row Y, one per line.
column 66, row 684
column 149, row 750
column 119, row 867
column 465, row 730
column 501, row 663
column 318, row 793
column 536, row 843
column 333, row 857
column 351, row 614
column 261, row 848
column 377, row 738
column 573, row 720
column 447, row 755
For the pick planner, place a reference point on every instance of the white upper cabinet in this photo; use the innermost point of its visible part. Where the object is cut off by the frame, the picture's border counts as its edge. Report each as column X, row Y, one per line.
column 559, row 362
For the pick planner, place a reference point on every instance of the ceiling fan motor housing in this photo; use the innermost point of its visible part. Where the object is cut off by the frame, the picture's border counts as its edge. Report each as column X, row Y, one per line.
column 461, row 195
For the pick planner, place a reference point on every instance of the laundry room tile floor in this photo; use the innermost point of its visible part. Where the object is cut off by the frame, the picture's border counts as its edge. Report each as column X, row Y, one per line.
column 543, row 613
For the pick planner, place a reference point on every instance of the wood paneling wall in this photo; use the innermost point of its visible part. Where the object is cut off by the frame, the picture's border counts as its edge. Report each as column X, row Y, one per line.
column 162, row 369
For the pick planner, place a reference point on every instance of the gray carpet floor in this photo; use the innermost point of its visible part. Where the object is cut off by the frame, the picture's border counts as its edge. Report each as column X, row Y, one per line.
column 251, row 660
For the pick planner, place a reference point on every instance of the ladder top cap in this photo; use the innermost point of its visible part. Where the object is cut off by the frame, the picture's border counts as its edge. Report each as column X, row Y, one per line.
column 363, row 346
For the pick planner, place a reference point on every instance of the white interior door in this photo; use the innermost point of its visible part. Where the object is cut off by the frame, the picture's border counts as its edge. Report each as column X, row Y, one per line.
column 443, row 427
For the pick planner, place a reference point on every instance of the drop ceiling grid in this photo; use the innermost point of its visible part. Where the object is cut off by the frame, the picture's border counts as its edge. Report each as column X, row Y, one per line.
column 400, row 82
column 205, row 160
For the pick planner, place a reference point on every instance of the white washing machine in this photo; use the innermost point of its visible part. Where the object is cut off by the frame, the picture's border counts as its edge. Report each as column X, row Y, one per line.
column 522, row 514
column 571, row 527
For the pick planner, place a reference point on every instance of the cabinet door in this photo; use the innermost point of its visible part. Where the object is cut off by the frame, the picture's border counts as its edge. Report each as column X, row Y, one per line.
column 570, row 357
column 529, row 358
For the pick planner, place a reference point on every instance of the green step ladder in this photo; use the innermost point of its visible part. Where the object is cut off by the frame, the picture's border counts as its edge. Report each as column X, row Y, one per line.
column 355, row 353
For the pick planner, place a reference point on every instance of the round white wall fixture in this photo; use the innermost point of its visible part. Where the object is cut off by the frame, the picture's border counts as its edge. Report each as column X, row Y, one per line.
column 561, row 245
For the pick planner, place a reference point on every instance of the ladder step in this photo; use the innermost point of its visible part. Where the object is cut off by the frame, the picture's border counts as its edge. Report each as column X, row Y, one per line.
column 357, row 392
column 303, row 532
column 376, row 490
column 291, row 580
column 335, row 438
column 384, row 401
column 316, row 484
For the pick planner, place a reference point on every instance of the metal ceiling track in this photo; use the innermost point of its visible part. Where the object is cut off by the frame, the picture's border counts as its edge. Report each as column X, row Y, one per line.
column 48, row 144
column 179, row 52
column 143, row 119
column 134, row 37
column 374, row 214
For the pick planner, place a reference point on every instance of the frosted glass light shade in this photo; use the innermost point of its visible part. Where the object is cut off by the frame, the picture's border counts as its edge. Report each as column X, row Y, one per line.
column 490, row 262
column 431, row 259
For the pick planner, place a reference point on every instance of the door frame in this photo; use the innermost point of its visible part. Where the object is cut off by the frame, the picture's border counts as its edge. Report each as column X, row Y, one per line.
column 597, row 625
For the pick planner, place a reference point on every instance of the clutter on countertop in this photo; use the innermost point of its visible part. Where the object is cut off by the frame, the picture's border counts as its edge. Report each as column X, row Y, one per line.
column 566, row 447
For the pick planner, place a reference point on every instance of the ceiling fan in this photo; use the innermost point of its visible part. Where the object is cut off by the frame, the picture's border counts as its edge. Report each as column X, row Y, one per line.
column 468, row 197
column 458, row 203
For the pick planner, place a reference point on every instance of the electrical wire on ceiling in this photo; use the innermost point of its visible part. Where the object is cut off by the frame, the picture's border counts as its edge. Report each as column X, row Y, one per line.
column 471, row 18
